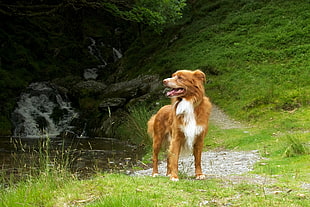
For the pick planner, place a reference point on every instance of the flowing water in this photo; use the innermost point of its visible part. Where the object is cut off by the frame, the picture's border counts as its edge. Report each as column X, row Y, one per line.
column 95, row 49
column 42, row 109
column 44, row 113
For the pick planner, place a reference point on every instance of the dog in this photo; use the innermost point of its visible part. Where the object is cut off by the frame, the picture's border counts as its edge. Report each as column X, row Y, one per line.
column 183, row 124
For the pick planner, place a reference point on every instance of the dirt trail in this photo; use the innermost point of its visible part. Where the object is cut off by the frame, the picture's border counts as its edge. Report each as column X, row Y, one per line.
column 219, row 118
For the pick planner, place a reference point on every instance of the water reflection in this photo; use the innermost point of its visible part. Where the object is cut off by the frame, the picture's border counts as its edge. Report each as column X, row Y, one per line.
column 82, row 156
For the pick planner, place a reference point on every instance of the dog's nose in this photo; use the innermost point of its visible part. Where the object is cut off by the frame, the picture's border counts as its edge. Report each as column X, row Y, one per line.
column 165, row 81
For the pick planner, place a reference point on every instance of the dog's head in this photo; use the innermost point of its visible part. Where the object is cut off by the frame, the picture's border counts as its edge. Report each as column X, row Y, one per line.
column 185, row 84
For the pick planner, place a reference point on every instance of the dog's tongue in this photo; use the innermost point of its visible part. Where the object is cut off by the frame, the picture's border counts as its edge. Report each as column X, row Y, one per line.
column 174, row 92
column 170, row 93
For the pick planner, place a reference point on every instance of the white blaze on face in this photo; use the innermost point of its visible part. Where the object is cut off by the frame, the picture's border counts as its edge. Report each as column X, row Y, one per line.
column 175, row 90
column 170, row 82
column 189, row 127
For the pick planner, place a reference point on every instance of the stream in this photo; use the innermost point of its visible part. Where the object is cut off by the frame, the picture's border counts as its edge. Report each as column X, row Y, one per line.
column 45, row 110
column 82, row 156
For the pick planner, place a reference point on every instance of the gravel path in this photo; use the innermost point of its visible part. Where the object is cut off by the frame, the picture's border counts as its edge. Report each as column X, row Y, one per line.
column 223, row 164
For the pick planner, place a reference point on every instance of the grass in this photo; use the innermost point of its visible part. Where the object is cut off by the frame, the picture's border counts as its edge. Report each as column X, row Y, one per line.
column 256, row 56
column 134, row 125
column 122, row 190
column 32, row 161
column 54, row 186
column 296, row 147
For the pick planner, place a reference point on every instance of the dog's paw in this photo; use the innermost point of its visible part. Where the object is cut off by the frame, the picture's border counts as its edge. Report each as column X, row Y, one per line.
column 155, row 175
column 201, row 177
column 174, row 179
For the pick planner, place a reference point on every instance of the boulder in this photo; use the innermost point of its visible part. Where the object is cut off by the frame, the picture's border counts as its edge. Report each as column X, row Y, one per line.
column 132, row 88
column 102, row 106
column 111, row 103
column 89, row 88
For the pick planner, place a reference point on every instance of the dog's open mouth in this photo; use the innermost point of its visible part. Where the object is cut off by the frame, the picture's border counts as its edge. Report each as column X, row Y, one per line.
column 175, row 92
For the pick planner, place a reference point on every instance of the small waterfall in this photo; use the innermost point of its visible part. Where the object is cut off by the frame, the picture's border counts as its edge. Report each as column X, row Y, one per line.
column 94, row 50
column 116, row 54
column 92, row 73
column 42, row 110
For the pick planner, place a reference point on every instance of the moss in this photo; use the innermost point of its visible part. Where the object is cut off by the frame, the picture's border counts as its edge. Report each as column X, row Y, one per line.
column 5, row 126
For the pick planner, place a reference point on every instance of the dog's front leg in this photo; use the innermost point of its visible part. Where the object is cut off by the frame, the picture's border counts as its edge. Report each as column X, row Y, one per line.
column 174, row 151
column 197, row 154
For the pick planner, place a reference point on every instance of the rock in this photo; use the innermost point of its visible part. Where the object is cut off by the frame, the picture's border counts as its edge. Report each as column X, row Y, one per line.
column 90, row 87
column 133, row 88
column 112, row 103
column 102, row 106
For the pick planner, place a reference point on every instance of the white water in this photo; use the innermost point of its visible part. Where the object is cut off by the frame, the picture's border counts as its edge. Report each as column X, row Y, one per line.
column 92, row 73
column 41, row 110
column 116, row 54
column 94, row 50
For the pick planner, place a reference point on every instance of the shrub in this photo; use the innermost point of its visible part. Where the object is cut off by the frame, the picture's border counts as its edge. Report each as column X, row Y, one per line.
column 134, row 128
column 295, row 147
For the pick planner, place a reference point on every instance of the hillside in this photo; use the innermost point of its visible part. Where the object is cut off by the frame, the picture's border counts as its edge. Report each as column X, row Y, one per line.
column 256, row 54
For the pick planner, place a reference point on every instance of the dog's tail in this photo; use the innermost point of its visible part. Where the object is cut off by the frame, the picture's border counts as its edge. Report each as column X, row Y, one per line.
column 150, row 126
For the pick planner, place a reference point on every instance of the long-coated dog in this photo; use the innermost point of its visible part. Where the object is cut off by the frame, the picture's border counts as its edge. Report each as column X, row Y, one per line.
column 184, row 123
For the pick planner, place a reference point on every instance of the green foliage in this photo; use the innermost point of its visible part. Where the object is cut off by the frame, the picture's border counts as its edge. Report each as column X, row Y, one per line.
column 295, row 147
column 40, row 161
column 134, row 126
column 36, row 191
column 156, row 14
column 122, row 190
column 255, row 54
column 5, row 126
column 122, row 200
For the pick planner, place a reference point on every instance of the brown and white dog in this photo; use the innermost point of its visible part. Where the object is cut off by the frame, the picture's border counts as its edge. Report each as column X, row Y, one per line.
column 184, row 123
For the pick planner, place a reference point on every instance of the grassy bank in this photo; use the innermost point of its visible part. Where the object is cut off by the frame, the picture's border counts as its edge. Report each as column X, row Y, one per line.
column 256, row 55
column 285, row 175
column 123, row 190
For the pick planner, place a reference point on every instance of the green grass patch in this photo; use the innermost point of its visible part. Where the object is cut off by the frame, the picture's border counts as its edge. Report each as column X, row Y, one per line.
column 122, row 190
column 255, row 54
column 296, row 147
column 134, row 125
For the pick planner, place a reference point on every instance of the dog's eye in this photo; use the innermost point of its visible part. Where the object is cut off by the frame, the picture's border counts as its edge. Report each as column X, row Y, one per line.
column 180, row 77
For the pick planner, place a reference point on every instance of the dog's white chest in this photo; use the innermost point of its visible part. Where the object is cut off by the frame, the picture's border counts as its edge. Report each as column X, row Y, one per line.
column 189, row 126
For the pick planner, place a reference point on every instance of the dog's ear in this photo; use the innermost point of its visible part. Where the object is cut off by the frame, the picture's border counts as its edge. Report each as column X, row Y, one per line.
column 200, row 75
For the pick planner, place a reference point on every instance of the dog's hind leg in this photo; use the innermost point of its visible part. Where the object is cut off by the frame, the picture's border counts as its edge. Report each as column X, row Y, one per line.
column 157, row 141
column 168, row 167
